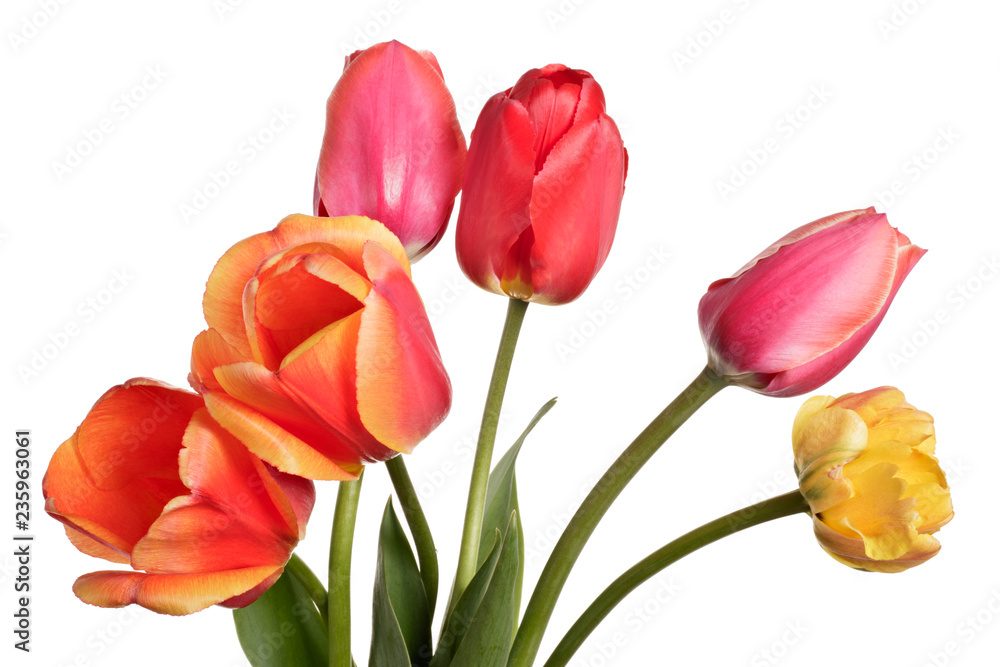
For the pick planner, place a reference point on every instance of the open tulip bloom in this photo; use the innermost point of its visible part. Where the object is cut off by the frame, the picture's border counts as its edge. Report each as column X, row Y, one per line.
column 319, row 361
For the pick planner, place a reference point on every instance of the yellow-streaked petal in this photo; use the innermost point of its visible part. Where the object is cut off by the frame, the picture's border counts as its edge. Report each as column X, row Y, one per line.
column 173, row 594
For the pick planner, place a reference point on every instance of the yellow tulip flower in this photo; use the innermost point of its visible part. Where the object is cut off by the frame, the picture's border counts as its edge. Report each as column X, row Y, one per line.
column 866, row 466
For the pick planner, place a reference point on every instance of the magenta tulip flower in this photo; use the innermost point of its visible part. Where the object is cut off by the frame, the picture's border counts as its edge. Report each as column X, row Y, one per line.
column 393, row 149
column 799, row 312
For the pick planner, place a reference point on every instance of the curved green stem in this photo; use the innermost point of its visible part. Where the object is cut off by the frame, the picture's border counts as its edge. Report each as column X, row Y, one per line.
column 415, row 519
column 594, row 507
column 469, row 550
column 339, row 599
column 768, row 510
column 298, row 569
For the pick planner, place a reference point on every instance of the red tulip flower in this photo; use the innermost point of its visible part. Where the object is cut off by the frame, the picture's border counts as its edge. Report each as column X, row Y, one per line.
column 799, row 312
column 150, row 480
column 393, row 149
column 320, row 357
column 543, row 188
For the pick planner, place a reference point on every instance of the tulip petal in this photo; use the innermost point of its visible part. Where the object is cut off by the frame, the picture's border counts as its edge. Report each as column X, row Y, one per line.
column 403, row 389
column 173, row 594
column 193, row 535
column 817, row 372
column 830, row 439
column 219, row 469
column 322, row 375
column 113, row 477
column 575, row 204
column 802, row 232
column 552, row 111
column 273, row 443
column 306, row 290
column 141, row 416
column 851, row 551
column 393, row 148
column 497, row 191
column 223, row 302
column 209, row 351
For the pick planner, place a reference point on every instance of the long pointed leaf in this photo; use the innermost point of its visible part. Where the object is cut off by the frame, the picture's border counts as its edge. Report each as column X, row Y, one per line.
column 457, row 623
column 487, row 641
column 501, row 500
column 282, row 627
column 401, row 623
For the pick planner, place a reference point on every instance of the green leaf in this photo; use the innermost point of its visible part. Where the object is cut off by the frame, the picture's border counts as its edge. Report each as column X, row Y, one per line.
column 455, row 626
column 401, row 621
column 487, row 641
column 282, row 627
column 501, row 500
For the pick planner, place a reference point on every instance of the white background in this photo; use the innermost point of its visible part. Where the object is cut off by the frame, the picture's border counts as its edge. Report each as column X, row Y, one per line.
column 892, row 75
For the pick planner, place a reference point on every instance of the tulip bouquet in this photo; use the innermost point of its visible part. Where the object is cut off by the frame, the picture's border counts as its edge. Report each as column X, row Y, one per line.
column 318, row 361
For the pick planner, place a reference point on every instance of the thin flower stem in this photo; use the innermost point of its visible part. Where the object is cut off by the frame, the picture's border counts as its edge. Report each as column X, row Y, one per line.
column 762, row 512
column 339, row 599
column 298, row 569
column 469, row 550
column 594, row 507
column 415, row 519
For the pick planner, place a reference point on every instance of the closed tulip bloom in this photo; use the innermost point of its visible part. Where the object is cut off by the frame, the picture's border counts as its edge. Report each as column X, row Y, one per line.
column 319, row 356
column 866, row 466
column 393, row 149
column 543, row 188
column 799, row 312
column 151, row 481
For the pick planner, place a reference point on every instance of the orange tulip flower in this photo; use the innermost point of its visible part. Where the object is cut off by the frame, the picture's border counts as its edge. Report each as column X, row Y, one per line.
column 150, row 480
column 319, row 355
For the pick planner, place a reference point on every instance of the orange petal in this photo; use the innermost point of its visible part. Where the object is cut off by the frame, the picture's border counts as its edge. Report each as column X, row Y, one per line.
column 134, row 431
column 223, row 302
column 274, row 444
column 321, row 374
column 403, row 389
column 293, row 299
column 112, row 478
column 219, row 469
column 209, row 351
column 193, row 535
column 173, row 594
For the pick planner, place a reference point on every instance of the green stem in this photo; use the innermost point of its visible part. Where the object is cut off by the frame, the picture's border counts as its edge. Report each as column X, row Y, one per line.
column 415, row 519
column 339, row 599
column 593, row 508
column 469, row 550
column 298, row 569
column 768, row 510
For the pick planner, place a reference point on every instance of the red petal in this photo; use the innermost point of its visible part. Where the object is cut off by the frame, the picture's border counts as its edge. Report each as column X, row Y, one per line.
column 497, row 191
column 575, row 205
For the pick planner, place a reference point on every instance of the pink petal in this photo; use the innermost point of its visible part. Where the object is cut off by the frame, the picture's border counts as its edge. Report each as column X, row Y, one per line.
column 393, row 149
column 803, row 301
